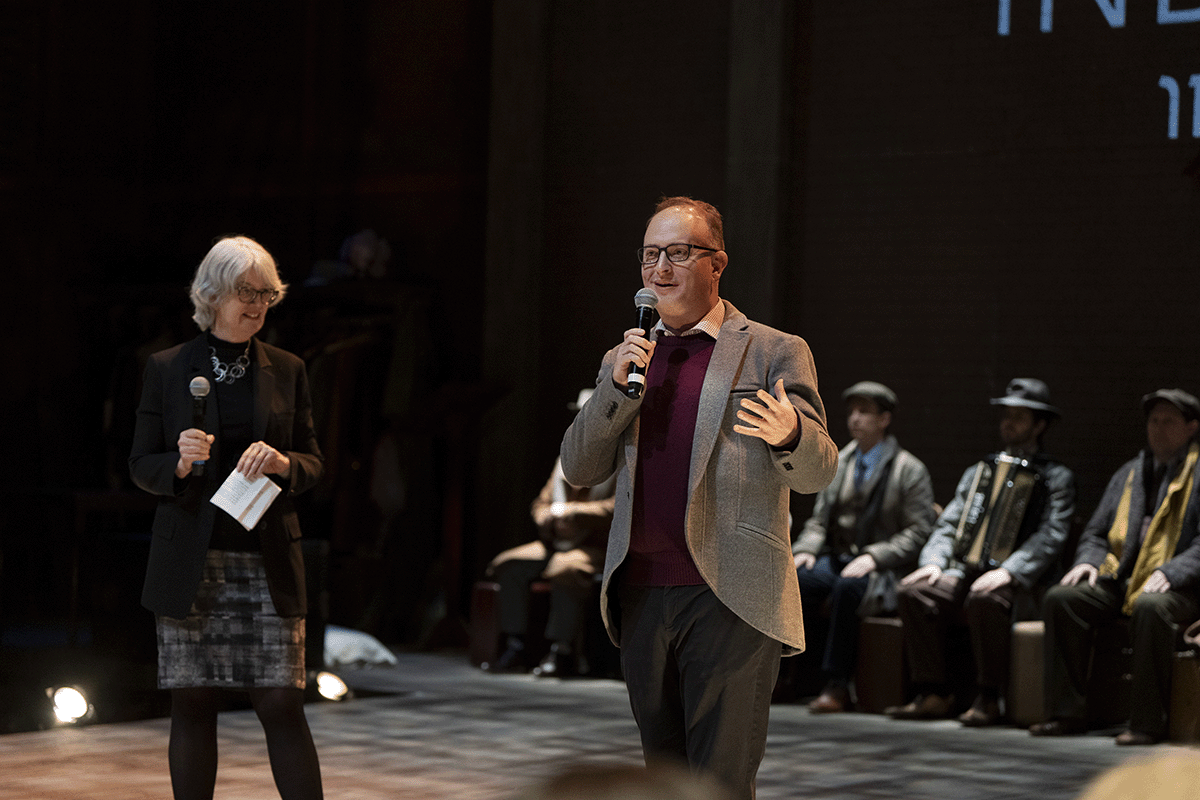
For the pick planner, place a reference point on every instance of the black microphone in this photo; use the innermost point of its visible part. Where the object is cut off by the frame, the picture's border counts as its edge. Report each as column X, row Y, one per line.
column 645, row 301
column 199, row 388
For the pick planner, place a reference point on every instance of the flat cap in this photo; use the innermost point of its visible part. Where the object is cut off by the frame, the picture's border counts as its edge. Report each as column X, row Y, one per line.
column 1185, row 402
column 871, row 390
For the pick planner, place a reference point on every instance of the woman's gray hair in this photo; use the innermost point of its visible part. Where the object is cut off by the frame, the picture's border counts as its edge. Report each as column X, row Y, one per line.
column 218, row 274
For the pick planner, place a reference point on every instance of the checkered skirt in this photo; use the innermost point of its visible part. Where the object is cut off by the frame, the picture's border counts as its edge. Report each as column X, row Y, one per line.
column 231, row 638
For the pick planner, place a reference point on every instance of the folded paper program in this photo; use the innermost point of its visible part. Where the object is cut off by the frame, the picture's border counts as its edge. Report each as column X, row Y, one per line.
column 246, row 500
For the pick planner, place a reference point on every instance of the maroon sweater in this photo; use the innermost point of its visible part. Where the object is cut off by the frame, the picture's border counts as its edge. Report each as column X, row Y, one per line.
column 658, row 554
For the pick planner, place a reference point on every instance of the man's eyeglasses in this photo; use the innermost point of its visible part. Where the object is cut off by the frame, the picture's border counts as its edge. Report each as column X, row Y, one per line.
column 676, row 253
column 248, row 295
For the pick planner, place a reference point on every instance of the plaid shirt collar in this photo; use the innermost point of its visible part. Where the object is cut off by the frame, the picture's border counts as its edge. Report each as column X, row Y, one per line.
column 710, row 324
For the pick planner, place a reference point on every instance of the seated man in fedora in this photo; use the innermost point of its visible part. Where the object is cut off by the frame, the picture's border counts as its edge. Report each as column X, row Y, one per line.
column 1000, row 536
column 1138, row 557
column 867, row 526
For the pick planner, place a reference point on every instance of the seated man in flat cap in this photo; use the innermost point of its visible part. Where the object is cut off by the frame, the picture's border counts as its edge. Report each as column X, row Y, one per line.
column 872, row 520
column 1001, row 535
column 1138, row 557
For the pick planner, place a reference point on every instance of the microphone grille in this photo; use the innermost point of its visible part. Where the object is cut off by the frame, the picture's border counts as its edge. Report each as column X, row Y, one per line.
column 645, row 298
column 199, row 386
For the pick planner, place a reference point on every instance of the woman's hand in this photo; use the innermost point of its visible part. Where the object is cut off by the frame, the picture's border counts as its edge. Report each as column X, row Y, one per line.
column 260, row 458
column 194, row 445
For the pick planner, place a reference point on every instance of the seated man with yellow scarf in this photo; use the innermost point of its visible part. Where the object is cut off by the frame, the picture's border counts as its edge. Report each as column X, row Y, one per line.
column 1140, row 557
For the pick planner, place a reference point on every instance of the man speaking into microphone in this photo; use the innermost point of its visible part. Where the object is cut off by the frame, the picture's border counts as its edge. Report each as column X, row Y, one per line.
column 699, row 589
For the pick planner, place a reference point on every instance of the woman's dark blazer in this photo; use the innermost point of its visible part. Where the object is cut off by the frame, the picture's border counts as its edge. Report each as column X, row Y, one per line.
column 183, row 521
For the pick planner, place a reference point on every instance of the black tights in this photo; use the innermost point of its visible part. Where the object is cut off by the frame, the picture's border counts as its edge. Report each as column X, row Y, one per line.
column 193, row 749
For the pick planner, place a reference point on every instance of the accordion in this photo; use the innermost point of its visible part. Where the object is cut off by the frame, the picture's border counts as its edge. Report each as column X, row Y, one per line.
column 1002, row 493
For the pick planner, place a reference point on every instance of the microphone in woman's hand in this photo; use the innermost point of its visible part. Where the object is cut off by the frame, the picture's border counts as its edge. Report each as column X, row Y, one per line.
column 199, row 387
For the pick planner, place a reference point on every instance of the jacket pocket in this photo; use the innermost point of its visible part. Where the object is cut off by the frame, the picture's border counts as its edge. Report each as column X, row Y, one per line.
column 763, row 535
column 164, row 524
column 291, row 526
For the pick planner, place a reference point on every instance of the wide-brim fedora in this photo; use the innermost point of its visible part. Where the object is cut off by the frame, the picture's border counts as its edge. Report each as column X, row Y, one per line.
column 1027, row 393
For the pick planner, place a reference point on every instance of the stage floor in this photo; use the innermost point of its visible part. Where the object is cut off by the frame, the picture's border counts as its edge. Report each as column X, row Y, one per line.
column 439, row 728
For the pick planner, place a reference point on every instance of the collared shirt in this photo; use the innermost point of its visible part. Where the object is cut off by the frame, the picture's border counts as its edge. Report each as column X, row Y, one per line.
column 710, row 323
column 864, row 468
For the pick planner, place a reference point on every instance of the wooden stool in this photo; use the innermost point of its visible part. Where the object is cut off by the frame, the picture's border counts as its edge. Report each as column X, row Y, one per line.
column 485, row 633
column 1184, row 715
column 881, row 676
column 1026, row 703
column 484, row 643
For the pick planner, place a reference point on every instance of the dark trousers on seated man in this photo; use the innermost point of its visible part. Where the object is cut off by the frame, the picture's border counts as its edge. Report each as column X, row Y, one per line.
column 1072, row 615
column 929, row 610
column 839, row 650
column 571, row 575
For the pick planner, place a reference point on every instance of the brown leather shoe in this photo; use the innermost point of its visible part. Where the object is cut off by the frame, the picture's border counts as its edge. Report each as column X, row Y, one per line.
column 981, row 714
column 1058, row 727
column 831, row 700
column 923, row 706
column 1136, row 738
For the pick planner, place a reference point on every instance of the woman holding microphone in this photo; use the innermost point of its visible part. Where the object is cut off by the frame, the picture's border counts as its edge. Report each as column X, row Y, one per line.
column 229, row 602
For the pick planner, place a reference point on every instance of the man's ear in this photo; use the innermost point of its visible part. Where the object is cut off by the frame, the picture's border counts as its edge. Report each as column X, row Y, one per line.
column 720, row 260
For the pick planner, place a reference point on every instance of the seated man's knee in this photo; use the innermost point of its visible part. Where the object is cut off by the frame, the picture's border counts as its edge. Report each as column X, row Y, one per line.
column 849, row 586
column 573, row 580
column 984, row 600
column 1150, row 607
column 1056, row 598
column 908, row 592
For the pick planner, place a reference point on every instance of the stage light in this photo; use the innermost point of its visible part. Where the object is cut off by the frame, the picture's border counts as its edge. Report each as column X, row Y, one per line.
column 331, row 687
column 70, row 705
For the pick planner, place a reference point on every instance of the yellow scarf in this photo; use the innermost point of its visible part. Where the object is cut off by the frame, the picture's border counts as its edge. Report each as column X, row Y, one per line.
column 1162, row 536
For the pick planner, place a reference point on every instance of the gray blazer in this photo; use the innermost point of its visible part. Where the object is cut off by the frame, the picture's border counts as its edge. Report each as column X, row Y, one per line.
column 737, row 513
column 905, row 517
